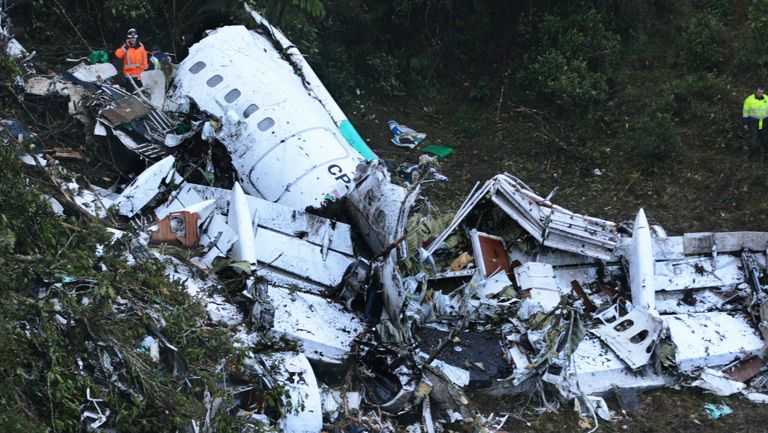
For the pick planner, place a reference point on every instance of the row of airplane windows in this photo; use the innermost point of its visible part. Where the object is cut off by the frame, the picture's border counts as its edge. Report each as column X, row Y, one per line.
column 232, row 96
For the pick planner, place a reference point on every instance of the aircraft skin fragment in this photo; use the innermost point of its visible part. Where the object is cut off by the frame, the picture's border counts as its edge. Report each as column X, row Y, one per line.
column 285, row 146
column 239, row 219
column 641, row 265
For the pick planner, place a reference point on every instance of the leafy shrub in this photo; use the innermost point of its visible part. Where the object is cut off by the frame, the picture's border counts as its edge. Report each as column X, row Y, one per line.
column 568, row 81
column 580, row 34
column 703, row 36
column 574, row 52
column 655, row 138
column 385, row 72
column 758, row 26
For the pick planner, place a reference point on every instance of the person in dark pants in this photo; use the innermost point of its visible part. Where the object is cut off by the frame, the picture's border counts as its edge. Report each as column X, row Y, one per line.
column 754, row 113
column 134, row 58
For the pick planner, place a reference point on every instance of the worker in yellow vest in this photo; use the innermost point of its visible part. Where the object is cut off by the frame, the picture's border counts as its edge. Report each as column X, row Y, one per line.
column 754, row 115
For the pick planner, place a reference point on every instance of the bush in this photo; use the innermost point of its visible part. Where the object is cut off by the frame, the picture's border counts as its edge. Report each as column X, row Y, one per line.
column 655, row 138
column 384, row 72
column 568, row 81
column 575, row 51
column 758, row 26
column 703, row 35
column 580, row 34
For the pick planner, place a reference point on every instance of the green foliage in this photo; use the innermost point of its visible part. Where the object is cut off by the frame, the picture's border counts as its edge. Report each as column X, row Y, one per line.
column 758, row 26
column 575, row 51
column 9, row 68
column 384, row 73
column 569, row 81
column 92, row 306
column 129, row 8
column 580, row 33
column 654, row 139
column 481, row 90
column 28, row 227
column 703, row 36
column 313, row 7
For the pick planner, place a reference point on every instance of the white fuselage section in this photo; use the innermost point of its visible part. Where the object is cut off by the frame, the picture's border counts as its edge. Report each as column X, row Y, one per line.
column 285, row 146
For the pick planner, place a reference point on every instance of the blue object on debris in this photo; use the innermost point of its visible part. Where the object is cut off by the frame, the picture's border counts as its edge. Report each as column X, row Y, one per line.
column 404, row 136
column 716, row 411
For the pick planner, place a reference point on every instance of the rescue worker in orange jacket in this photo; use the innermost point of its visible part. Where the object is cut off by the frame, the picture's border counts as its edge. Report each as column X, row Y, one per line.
column 134, row 57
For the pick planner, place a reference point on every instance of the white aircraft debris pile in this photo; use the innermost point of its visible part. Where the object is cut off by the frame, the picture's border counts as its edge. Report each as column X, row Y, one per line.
column 269, row 209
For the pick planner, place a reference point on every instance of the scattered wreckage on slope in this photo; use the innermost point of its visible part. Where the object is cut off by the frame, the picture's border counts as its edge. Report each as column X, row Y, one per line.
column 397, row 311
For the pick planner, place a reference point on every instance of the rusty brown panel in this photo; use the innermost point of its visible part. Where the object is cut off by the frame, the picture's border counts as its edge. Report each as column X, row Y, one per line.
column 745, row 369
column 494, row 255
column 167, row 235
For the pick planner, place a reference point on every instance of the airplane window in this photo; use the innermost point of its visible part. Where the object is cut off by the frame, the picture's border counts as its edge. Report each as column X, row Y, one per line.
column 232, row 95
column 250, row 110
column 214, row 81
column 266, row 123
column 197, row 67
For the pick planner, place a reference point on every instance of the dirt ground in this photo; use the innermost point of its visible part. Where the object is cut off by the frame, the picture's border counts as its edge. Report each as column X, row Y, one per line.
column 713, row 190
column 707, row 188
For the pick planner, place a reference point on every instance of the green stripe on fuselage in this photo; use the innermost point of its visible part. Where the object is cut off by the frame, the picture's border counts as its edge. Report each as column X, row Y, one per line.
column 355, row 140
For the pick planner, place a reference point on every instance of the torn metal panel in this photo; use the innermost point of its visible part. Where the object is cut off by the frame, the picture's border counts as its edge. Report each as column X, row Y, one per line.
column 557, row 258
column 275, row 217
column 217, row 237
column 284, row 145
column 633, row 336
column 718, row 383
column 178, row 228
column 457, row 376
column 303, row 409
column 538, row 279
column 745, row 369
column 552, row 225
column 240, row 220
column 223, row 312
column 475, row 196
column 326, row 331
column 666, row 248
column 723, row 272
column 703, row 243
column 93, row 73
column 301, row 258
column 96, row 201
column 380, row 210
column 375, row 205
column 146, row 186
column 40, row 85
column 490, row 253
column 597, row 369
column 191, row 203
column 143, row 147
column 698, row 301
column 641, row 265
column 712, row 339
column 125, row 110
column 154, row 87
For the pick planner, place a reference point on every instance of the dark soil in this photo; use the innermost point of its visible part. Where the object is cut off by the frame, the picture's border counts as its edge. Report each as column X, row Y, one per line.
column 707, row 187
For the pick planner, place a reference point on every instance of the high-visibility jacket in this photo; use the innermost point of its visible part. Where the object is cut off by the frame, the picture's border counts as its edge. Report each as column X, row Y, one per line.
column 756, row 109
column 134, row 59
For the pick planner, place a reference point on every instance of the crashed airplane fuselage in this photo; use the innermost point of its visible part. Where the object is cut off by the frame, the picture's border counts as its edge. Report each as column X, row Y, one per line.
column 289, row 141
column 285, row 146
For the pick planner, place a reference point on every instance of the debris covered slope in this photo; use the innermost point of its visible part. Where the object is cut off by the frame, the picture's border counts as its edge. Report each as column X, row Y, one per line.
column 263, row 270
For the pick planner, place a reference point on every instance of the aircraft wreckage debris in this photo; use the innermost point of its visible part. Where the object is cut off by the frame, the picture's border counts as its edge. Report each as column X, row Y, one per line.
column 385, row 325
